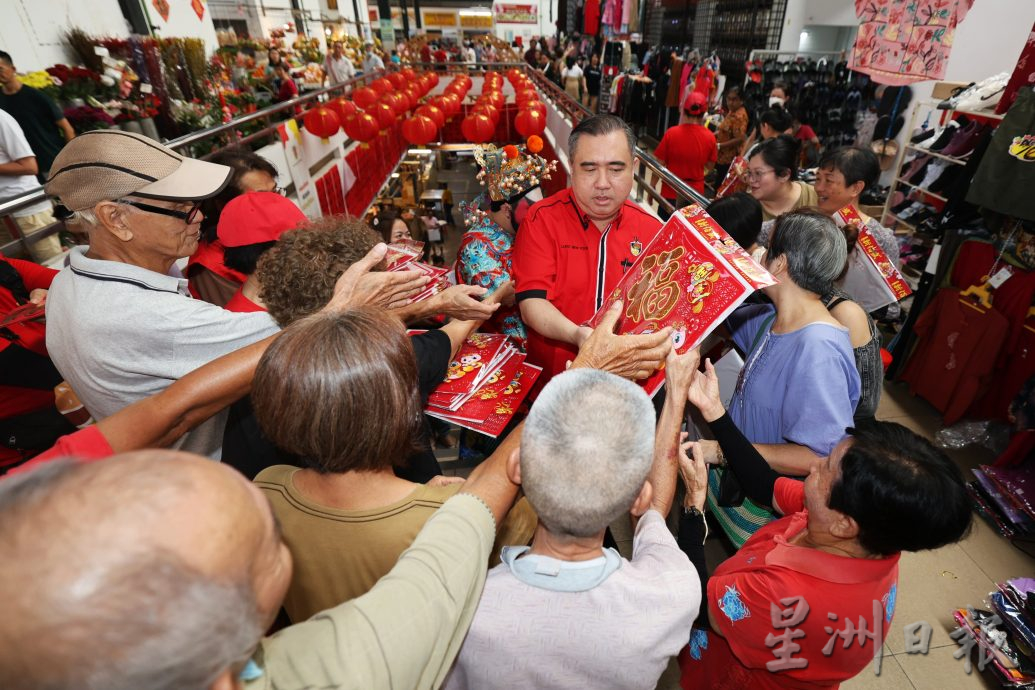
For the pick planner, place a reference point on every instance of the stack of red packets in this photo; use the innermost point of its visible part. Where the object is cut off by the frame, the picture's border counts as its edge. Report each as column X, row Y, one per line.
column 690, row 277
column 402, row 256
column 485, row 385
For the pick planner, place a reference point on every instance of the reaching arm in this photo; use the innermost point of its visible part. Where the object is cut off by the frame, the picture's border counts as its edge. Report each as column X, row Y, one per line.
column 787, row 458
column 457, row 302
column 161, row 419
column 545, row 319
column 458, row 331
column 679, row 371
column 22, row 166
column 66, row 129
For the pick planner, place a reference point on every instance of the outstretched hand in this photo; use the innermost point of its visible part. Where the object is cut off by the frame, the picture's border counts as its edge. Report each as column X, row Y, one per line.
column 704, row 393
column 694, row 471
column 630, row 356
column 680, row 370
column 461, row 302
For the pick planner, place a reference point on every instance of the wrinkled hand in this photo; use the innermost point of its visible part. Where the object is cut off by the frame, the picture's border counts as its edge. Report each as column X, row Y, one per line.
column 704, row 393
column 694, row 471
column 630, row 356
column 358, row 286
column 460, row 302
column 38, row 296
column 680, row 369
column 503, row 294
column 443, row 480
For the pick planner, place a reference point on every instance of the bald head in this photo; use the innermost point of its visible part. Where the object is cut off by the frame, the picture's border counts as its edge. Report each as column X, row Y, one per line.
column 134, row 572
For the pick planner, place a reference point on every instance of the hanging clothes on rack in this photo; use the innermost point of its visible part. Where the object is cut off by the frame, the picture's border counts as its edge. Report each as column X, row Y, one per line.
column 591, row 20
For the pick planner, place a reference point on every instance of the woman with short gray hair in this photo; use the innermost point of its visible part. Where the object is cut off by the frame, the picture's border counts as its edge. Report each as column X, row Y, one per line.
column 799, row 386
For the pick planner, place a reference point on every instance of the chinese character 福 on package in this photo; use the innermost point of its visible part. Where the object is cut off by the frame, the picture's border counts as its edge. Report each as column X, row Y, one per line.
column 691, row 276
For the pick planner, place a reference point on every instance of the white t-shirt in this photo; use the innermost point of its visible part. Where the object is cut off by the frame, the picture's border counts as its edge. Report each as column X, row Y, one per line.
column 573, row 72
column 339, row 69
column 14, row 146
column 619, row 634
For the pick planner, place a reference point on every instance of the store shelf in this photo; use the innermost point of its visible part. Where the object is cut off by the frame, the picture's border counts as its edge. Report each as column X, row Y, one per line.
column 899, row 180
column 889, row 214
column 919, row 149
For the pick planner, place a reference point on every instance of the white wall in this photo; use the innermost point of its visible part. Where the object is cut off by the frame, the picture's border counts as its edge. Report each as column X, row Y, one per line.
column 31, row 30
column 802, row 13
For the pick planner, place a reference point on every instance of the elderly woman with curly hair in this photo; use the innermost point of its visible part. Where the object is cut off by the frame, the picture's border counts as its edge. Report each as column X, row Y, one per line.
column 799, row 386
column 342, row 395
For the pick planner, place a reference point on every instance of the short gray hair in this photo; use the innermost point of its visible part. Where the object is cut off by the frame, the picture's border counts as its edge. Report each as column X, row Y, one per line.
column 599, row 126
column 815, row 248
column 586, row 449
column 139, row 617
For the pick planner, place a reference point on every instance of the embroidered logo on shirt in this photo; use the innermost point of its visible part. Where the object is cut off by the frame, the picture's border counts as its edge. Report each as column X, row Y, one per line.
column 635, row 247
column 889, row 602
column 698, row 643
column 731, row 605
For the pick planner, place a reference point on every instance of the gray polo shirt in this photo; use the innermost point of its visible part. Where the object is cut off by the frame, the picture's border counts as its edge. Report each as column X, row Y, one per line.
column 119, row 333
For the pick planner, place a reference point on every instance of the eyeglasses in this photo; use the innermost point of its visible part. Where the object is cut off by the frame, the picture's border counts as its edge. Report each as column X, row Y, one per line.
column 755, row 175
column 188, row 216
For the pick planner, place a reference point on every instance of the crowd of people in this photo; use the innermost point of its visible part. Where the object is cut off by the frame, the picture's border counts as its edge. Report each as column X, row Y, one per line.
column 326, row 548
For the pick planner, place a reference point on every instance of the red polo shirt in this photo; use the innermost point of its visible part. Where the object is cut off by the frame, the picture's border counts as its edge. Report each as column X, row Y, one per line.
column 769, row 568
column 685, row 150
column 560, row 255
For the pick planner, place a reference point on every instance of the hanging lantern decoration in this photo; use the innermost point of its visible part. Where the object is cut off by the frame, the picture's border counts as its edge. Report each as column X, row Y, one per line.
column 365, row 97
column 397, row 80
column 526, row 95
column 424, row 82
column 537, row 106
column 385, row 115
column 477, row 128
column 451, row 104
column 381, row 86
column 496, row 98
column 419, row 130
column 433, row 113
column 488, row 110
column 457, row 88
column 529, row 123
column 321, row 121
column 514, row 74
column 343, row 107
column 409, row 75
column 397, row 102
column 413, row 94
column 362, row 127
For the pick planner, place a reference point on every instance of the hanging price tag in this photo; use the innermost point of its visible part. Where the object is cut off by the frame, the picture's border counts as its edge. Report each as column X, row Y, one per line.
column 1000, row 277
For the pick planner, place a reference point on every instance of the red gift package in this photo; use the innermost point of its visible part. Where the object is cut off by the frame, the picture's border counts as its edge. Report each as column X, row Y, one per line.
column 872, row 279
column 495, row 404
column 690, row 277
column 26, row 312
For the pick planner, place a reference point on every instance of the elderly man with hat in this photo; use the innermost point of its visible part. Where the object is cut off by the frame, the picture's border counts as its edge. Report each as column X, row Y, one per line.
column 689, row 149
column 120, row 324
column 512, row 178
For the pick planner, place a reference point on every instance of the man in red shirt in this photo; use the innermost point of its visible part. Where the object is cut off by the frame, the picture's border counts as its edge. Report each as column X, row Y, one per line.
column 689, row 149
column 573, row 248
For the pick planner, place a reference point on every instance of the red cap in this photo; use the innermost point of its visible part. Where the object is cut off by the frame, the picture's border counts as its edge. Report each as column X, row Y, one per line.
column 256, row 217
column 696, row 103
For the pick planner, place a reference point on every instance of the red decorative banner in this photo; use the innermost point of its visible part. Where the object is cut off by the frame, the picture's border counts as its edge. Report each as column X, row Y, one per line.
column 199, row 8
column 690, row 277
column 162, row 7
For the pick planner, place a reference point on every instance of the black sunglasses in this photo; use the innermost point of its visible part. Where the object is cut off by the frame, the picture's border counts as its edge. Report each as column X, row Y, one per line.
column 187, row 216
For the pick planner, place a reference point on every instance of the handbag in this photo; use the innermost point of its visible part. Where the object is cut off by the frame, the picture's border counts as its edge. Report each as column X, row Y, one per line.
column 731, row 493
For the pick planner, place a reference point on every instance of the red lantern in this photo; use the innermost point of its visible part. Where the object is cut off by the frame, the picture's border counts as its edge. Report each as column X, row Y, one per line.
column 433, row 113
column 536, row 106
column 529, row 123
column 413, row 94
column 409, row 75
column 487, row 110
column 343, row 107
column 457, row 88
column 385, row 115
column 397, row 102
column 397, row 79
column 451, row 104
column 496, row 98
column 514, row 74
column 321, row 122
column 381, row 85
column 365, row 97
column 527, row 95
column 362, row 127
column 419, row 130
column 477, row 128
column 433, row 78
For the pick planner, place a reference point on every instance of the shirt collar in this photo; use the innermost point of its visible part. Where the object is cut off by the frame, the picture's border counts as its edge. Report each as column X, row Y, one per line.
column 585, row 220
column 555, row 575
column 823, row 565
column 116, row 271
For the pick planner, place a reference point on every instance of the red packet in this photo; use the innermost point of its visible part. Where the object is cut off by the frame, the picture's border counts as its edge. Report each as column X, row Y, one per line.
column 440, row 279
column 734, row 181
column 26, row 312
column 465, row 372
column 690, row 277
column 497, row 411
column 401, row 253
column 479, row 405
column 872, row 279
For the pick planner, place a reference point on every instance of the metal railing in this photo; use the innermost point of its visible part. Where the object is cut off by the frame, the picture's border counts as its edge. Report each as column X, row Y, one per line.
column 225, row 135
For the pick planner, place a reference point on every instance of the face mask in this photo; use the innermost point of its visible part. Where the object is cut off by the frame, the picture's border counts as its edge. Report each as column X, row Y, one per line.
column 775, row 100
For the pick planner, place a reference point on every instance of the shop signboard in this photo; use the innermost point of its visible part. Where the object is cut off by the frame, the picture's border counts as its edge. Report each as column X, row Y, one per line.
column 507, row 13
column 482, row 22
column 438, row 19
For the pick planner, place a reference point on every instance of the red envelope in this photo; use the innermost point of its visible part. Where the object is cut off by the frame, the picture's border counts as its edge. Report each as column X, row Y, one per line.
column 402, row 253
column 466, row 371
column 497, row 407
column 690, row 277
column 26, row 312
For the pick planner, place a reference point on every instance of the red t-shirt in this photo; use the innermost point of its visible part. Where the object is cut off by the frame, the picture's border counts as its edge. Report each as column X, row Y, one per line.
column 561, row 256
column 440, row 55
column 84, row 445
column 806, row 133
column 210, row 255
column 685, row 150
column 240, row 303
column 32, row 335
column 762, row 575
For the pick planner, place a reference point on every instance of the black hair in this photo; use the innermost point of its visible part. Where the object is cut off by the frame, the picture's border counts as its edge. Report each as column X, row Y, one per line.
column 570, row 62
column 6, row 57
column 778, row 119
column 598, row 126
column 904, row 493
column 740, row 215
column 241, row 161
column 780, row 153
column 854, row 162
column 733, row 90
column 782, row 85
column 244, row 259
